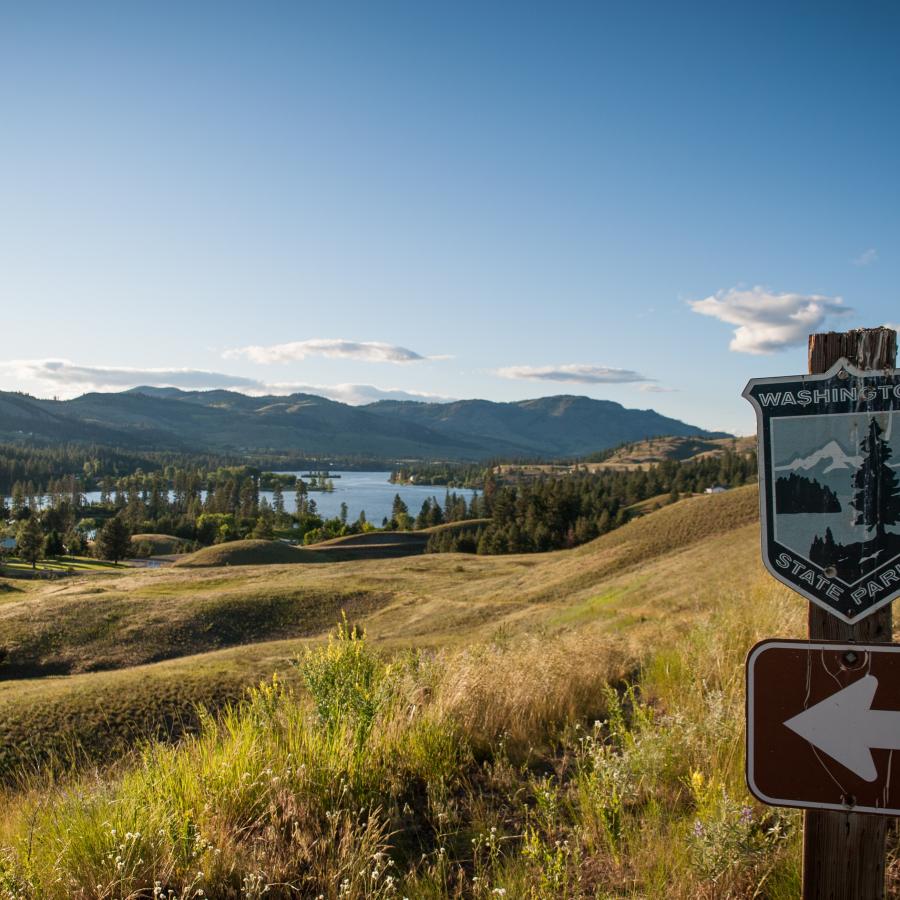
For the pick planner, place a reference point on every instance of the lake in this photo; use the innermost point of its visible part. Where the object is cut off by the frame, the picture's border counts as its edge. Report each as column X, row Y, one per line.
column 369, row 491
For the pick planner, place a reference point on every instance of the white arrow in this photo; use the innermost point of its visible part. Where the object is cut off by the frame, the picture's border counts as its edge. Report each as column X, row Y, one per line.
column 846, row 727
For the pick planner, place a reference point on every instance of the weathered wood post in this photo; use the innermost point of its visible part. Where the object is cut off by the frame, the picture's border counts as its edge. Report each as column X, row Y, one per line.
column 844, row 853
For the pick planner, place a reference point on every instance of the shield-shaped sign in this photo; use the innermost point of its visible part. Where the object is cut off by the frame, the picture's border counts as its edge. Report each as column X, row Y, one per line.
column 829, row 479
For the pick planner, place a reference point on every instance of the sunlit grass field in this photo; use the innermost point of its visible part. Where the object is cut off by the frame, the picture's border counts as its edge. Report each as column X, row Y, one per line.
column 559, row 726
column 61, row 565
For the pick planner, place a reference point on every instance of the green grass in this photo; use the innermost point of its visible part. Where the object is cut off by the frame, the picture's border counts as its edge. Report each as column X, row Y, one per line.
column 60, row 565
column 601, row 606
column 64, row 722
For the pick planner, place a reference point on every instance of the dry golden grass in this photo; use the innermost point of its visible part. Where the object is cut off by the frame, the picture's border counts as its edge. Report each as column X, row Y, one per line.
column 518, row 691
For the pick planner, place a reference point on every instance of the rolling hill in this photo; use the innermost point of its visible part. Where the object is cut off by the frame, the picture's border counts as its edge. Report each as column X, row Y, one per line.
column 167, row 418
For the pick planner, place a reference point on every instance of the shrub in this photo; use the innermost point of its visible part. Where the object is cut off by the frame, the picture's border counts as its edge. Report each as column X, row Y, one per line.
column 346, row 679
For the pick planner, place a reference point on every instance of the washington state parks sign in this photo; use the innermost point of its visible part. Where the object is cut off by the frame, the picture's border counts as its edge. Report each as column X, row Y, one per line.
column 829, row 476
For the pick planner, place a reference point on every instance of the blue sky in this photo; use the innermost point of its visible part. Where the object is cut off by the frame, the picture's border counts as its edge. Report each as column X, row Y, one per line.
column 457, row 200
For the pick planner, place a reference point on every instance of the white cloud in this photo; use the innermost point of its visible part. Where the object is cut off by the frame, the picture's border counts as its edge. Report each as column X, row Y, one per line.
column 368, row 351
column 573, row 372
column 67, row 379
column 66, row 374
column 767, row 322
column 866, row 258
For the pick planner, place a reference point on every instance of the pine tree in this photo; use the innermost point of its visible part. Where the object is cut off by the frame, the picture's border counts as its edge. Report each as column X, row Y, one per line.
column 113, row 540
column 30, row 541
column 263, row 529
column 18, row 498
column 877, row 497
column 300, row 498
column 53, row 545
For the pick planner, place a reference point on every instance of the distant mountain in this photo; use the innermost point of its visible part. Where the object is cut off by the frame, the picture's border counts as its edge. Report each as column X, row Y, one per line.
column 304, row 424
column 549, row 426
column 832, row 452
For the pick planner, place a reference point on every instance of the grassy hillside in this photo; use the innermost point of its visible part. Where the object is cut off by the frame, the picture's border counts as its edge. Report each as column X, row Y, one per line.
column 246, row 553
column 130, row 621
column 639, row 455
column 570, row 725
column 137, row 616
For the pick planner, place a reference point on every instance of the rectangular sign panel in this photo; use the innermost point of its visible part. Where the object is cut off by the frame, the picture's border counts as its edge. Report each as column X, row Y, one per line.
column 823, row 722
column 830, row 486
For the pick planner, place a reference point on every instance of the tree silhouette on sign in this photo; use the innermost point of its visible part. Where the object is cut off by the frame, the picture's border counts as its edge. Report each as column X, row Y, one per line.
column 877, row 497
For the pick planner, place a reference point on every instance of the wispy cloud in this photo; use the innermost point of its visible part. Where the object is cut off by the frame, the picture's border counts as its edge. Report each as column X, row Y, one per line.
column 575, row 373
column 68, row 379
column 367, row 351
column 866, row 258
column 64, row 373
column 766, row 321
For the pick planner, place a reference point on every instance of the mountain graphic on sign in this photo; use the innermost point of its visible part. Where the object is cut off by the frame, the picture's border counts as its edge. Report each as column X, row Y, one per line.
column 832, row 452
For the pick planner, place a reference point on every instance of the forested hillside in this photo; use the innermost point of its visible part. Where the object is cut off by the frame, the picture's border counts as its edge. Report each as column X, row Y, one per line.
column 226, row 421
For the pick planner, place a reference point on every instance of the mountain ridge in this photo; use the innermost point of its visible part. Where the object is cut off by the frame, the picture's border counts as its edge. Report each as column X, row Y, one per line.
column 558, row 426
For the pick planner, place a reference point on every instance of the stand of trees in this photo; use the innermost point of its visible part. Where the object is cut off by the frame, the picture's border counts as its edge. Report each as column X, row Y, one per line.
column 40, row 463
column 449, row 474
column 550, row 513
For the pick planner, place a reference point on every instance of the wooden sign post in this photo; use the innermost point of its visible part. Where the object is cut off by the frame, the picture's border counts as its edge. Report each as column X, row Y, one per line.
column 844, row 852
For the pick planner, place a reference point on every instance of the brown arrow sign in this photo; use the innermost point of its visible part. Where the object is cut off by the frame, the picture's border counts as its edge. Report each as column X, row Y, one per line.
column 823, row 722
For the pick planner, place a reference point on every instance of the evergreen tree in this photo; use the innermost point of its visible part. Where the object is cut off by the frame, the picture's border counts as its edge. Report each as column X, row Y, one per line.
column 300, row 497
column 113, row 540
column 422, row 519
column 263, row 529
column 30, row 541
column 73, row 542
column 18, row 498
column 400, row 514
column 53, row 545
column 249, row 498
column 877, row 497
